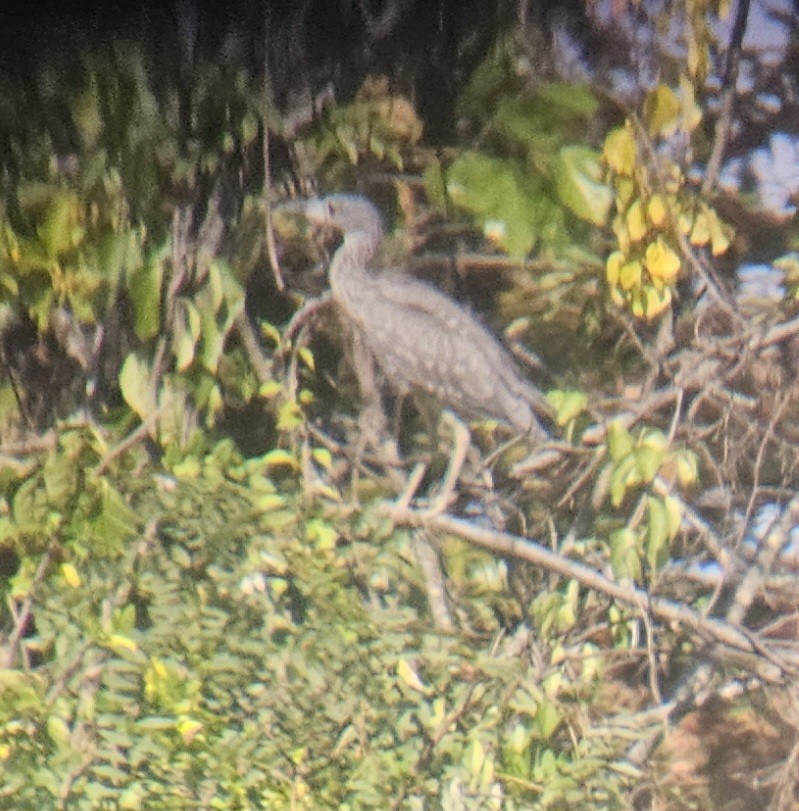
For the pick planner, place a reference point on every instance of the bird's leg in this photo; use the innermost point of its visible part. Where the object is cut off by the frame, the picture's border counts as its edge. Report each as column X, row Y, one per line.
column 372, row 421
column 462, row 440
column 425, row 549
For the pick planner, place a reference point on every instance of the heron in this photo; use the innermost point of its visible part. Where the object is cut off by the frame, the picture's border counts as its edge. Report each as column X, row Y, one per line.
column 422, row 340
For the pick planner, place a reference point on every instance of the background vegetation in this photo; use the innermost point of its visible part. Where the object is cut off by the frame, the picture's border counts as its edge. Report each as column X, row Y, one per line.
column 206, row 603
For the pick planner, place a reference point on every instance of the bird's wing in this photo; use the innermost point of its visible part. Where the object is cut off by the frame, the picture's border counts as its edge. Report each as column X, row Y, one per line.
column 412, row 294
column 450, row 353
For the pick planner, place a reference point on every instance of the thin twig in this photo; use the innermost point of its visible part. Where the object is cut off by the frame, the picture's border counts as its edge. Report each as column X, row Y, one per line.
column 260, row 363
column 724, row 120
column 21, row 619
column 268, row 102
column 133, row 438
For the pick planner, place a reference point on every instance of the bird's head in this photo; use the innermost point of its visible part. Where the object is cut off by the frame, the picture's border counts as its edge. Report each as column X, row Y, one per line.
column 348, row 213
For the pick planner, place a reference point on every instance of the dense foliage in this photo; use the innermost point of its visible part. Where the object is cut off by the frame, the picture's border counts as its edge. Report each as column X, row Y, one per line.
column 207, row 602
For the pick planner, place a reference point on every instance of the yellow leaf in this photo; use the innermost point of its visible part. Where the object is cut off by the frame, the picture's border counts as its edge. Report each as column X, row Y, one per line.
column 655, row 301
column 188, row 729
column 691, row 111
column 613, row 266
column 673, row 514
column 625, row 191
column 270, row 389
column 700, row 233
column 322, row 534
column 662, row 111
column 687, row 468
column 476, row 757
column 187, row 469
column 630, row 275
column 277, row 457
column 619, row 151
column 289, row 416
column 617, row 297
column 322, row 457
column 719, row 234
column 636, row 222
column 439, row 713
column 662, row 263
column 270, row 331
column 656, row 209
column 270, row 501
column 411, row 677
column 277, row 587
column 120, row 642
column 306, row 356
column 619, row 226
column 70, row 574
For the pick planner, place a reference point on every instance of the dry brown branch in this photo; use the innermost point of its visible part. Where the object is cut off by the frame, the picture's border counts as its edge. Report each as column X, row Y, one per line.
column 23, row 615
column 775, row 539
column 514, row 546
column 724, row 120
column 268, row 107
column 36, row 444
column 261, row 364
column 137, row 435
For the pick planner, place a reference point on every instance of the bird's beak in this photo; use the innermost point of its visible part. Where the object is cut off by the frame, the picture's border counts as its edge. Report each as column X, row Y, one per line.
column 312, row 210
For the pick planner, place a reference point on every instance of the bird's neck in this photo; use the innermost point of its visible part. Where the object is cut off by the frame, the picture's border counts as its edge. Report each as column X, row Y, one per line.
column 348, row 273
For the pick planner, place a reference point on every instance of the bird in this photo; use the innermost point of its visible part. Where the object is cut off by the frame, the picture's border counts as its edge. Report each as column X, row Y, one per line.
column 422, row 340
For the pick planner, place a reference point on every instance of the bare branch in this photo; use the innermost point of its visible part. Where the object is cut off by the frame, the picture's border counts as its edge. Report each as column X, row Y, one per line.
column 514, row 546
column 724, row 120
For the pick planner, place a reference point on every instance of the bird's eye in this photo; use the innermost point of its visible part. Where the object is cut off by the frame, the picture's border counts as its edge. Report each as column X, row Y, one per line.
column 331, row 210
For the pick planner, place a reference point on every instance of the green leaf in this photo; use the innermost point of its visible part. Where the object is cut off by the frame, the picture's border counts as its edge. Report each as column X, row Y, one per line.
column 658, row 534
column 58, row 730
column 61, row 479
column 577, row 100
column 578, row 180
column 186, row 332
column 86, row 114
column 624, row 476
column 625, row 555
column 144, row 286
column 567, row 405
column 619, row 151
column 322, row 534
column 510, row 204
column 662, row 111
column 620, row 441
column 648, row 461
column 62, row 230
column 547, row 719
column 134, row 383
column 117, row 514
column 220, row 303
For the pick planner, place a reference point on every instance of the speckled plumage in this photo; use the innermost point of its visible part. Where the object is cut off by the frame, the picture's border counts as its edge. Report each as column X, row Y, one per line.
column 420, row 338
